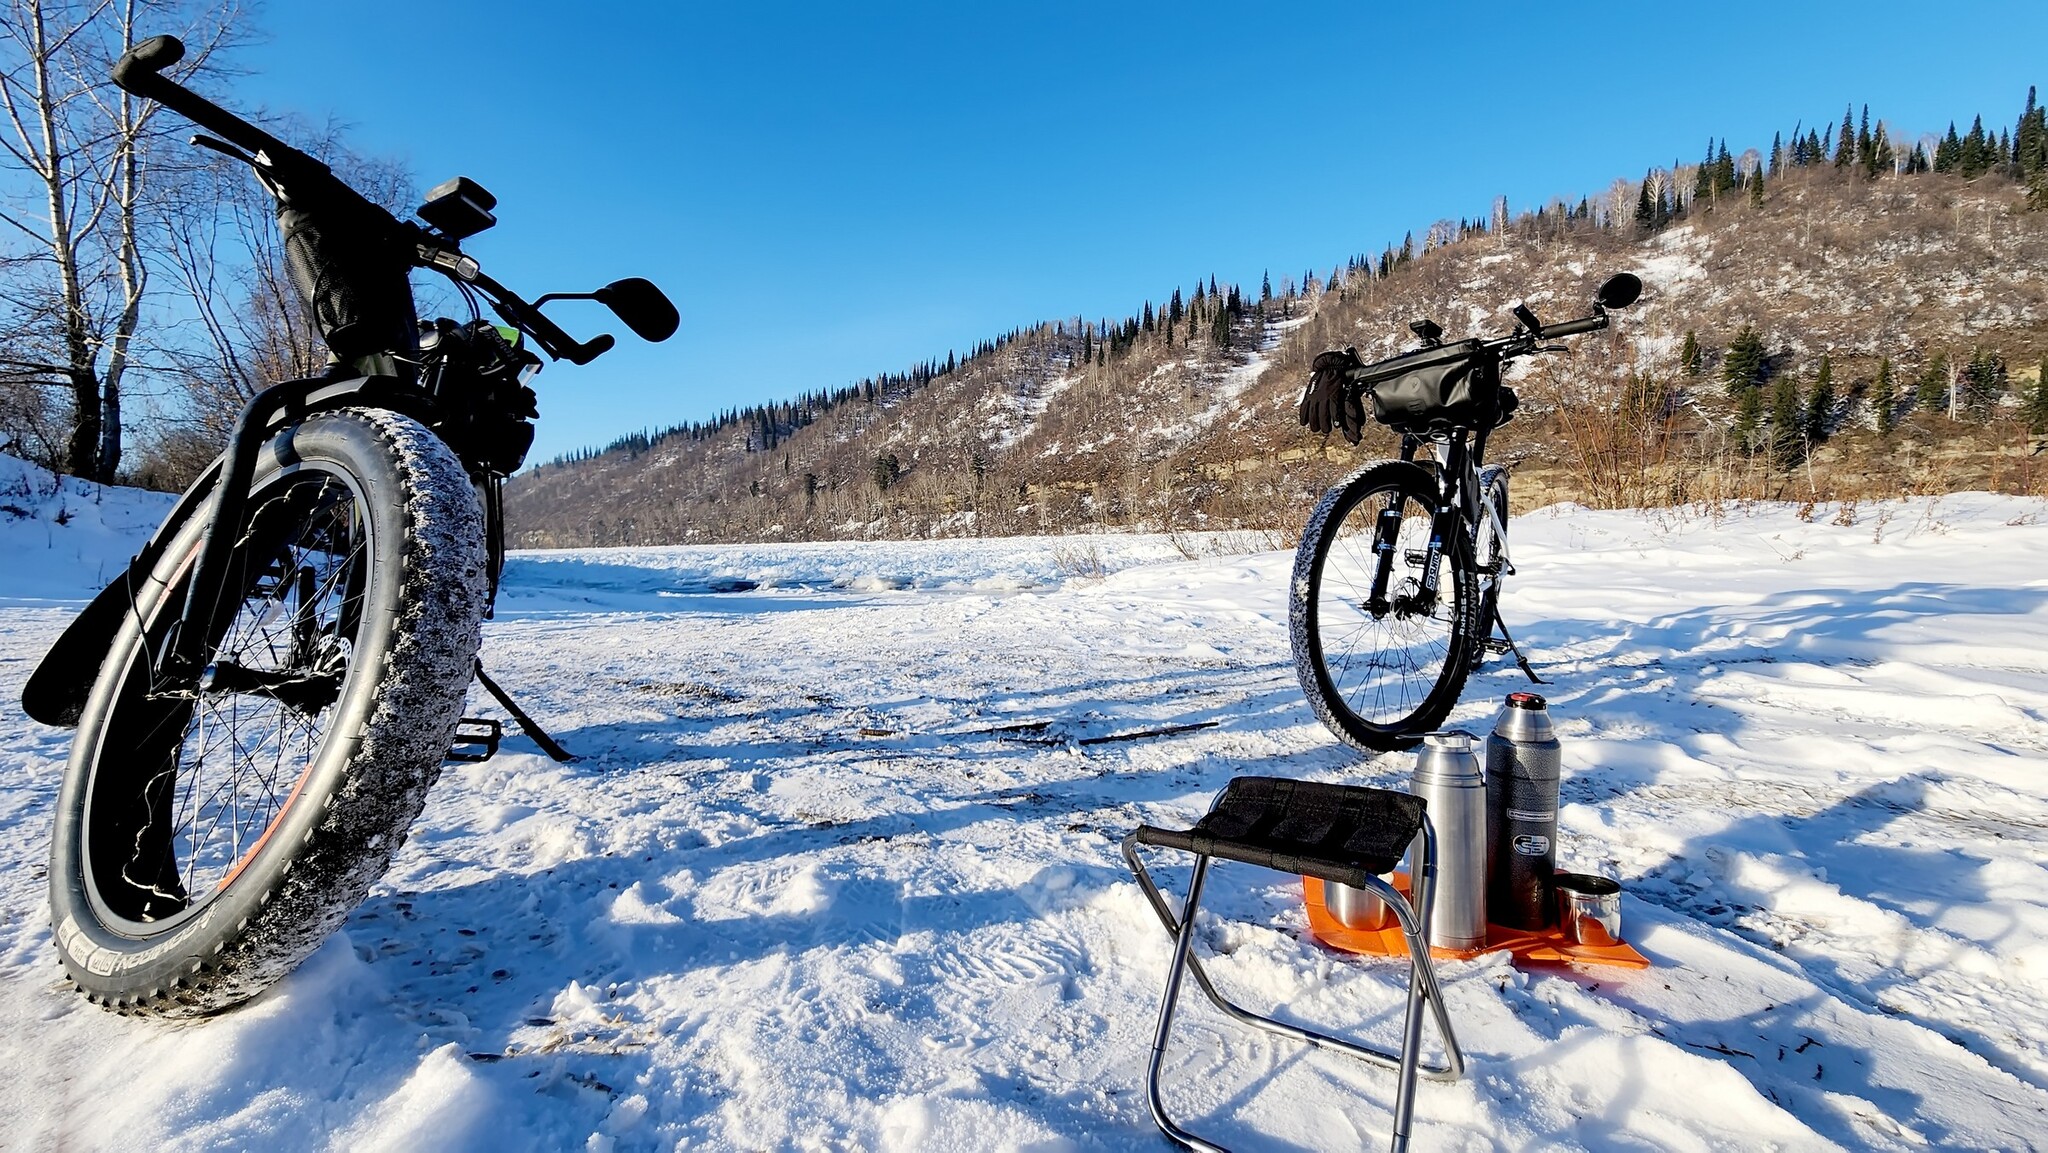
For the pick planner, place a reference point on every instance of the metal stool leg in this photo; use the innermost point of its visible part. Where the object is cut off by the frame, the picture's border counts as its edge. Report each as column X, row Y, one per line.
column 1422, row 986
column 1183, row 943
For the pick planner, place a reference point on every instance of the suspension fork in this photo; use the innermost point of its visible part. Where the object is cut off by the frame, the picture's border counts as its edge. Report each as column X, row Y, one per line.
column 1454, row 490
column 1386, row 533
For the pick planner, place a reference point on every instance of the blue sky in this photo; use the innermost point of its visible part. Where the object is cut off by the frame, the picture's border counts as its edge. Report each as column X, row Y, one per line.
column 833, row 190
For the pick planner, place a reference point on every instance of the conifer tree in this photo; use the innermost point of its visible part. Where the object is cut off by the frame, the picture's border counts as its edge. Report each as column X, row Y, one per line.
column 1756, row 189
column 2035, row 411
column 1777, row 152
column 1646, row 212
column 1742, row 369
column 1882, row 401
column 2030, row 138
column 1863, row 149
column 1820, row 403
column 1845, row 144
column 1948, row 152
column 1816, row 151
column 1975, row 157
column 1932, row 391
column 1749, row 415
column 1785, row 423
column 1724, row 171
column 1265, row 287
column 1689, row 355
column 1882, row 157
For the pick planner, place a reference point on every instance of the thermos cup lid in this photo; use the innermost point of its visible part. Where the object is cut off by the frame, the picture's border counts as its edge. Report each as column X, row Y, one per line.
column 1525, row 701
column 1452, row 740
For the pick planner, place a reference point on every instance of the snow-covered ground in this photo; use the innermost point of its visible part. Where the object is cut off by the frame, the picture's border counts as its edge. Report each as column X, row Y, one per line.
column 837, row 871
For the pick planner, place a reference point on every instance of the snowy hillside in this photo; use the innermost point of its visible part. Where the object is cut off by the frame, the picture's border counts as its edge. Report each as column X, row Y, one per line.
column 61, row 535
column 839, row 871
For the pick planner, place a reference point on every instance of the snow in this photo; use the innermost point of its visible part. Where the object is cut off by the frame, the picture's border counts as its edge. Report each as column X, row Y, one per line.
column 813, row 886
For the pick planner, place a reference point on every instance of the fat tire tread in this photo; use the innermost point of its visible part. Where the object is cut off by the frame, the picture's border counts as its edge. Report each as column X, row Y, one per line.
column 1309, row 556
column 383, row 785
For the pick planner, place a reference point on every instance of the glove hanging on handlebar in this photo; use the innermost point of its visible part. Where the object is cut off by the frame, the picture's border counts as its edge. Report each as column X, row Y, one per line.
column 1330, row 401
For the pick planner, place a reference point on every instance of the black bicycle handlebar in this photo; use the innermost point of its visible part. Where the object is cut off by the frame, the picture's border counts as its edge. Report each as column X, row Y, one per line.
column 140, row 71
column 1593, row 323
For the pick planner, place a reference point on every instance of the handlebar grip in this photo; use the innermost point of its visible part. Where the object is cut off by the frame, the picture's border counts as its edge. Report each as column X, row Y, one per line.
column 1574, row 327
column 142, row 66
column 589, row 350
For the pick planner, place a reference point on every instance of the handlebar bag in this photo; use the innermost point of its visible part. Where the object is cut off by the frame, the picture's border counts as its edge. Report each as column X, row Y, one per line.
column 350, row 269
column 1432, row 389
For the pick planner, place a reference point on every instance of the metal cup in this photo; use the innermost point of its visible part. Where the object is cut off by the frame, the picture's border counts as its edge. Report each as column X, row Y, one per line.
column 1588, row 908
column 1356, row 908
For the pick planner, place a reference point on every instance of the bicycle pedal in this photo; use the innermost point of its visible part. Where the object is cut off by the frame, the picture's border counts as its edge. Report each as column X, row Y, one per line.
column 1416, row 557
column 1497, row 646
column 476, row 740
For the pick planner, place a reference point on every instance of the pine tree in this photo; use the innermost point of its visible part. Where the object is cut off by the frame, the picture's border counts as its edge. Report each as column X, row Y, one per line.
column 1724, row 171
column 1975, row 158
column 1845, row 144
column 1882, row 402
column 1689, row 355
column 1749, row 415
column 1820, row 403
column 1932, row 391
column 1949, row 152
column 1881, row 156
column 1756, row 189
column 1777, row 153
column 2030, row 138
column 1265, row 287
column 1646, row 212
column 2035, row 411
column 1816, row 151
column 1742, row 369
column 1785, row 425
column 1863, row 142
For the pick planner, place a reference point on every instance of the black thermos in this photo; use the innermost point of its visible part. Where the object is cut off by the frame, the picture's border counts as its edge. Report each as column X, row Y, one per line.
column 1522, row 759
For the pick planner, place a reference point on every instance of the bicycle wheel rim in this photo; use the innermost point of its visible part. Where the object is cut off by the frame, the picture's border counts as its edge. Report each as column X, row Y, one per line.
column 188, row 786
column 1382, row 662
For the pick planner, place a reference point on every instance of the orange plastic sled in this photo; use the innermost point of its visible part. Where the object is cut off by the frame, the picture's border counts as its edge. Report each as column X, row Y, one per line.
column 1540, row 946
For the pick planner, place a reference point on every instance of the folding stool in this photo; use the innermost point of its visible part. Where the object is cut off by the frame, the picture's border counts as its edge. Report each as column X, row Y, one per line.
column 1348, row 834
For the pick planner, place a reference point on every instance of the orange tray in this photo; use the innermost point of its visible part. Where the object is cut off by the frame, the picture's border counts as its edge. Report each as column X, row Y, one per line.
column 1540, row 946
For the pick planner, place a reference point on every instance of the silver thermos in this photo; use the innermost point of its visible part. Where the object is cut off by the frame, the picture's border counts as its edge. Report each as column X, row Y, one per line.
column 1447, row 779
column 1521, row 808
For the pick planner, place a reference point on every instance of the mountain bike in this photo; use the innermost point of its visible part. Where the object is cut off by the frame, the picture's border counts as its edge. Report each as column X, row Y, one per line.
column 1395, row 594
column 264, row 697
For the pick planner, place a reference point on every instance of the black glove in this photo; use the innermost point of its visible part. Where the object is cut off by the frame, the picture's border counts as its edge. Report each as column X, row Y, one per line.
column 1329, row 401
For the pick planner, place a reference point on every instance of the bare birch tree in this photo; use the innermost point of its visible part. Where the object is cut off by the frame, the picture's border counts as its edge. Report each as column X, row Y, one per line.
column 77, row 158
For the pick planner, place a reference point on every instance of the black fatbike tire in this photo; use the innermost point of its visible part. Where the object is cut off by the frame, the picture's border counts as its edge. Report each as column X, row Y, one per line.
column 1489, row 546
column 1379, row 682
column 190, row 870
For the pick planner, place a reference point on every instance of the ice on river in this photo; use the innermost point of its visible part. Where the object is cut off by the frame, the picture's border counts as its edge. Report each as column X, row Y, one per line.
column 836, row 870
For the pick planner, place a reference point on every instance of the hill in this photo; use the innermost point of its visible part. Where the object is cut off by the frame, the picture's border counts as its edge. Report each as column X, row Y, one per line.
column 1809, row 330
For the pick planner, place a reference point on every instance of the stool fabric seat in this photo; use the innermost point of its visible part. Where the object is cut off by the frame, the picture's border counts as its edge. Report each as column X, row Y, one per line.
column 1348, row 834
column 1341, row 833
